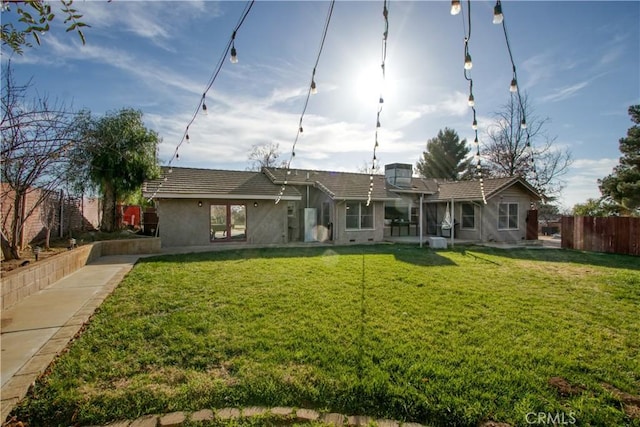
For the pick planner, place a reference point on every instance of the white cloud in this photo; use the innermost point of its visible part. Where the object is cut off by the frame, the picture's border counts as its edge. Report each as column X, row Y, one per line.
column 561, row 94
column 582, row 180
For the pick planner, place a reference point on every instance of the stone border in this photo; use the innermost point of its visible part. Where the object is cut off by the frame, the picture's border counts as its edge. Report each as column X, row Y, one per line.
column 281, row 414
column 25, row 281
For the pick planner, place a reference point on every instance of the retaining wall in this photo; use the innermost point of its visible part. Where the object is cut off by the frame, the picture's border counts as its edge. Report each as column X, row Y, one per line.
column 19, row 284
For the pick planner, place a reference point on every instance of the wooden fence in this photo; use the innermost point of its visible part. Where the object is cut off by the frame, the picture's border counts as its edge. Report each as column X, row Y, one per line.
column 620, row 235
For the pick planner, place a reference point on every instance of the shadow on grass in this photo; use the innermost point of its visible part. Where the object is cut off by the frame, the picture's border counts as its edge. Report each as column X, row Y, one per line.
column 406, row 253
column 598, row 259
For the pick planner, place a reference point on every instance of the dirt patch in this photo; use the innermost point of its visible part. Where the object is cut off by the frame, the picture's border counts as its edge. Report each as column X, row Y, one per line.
column 564, row 388
column 630, row 402
column 28, row 259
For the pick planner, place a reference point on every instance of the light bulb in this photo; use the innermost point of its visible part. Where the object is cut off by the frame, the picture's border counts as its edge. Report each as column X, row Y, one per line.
column 523, row 124
column 467, row 62
column 514, row 86
column 378, row 124
column 234, row 55
column 314, row 89
column 455, row 7
column 472, row 101
column 497, row 13
column 204, row 108
column 301, row 130
column 474, row 125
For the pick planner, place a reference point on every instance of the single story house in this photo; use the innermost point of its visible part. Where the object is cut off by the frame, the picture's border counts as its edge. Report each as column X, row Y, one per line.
column 209, row 207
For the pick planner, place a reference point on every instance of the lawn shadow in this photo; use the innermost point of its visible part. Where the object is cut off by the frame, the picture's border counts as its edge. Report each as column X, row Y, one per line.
column 402, row 252
column 598, row 259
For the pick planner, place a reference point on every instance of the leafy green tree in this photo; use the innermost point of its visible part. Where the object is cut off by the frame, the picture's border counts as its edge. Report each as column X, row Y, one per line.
column 32, row 19
column 446, row 157
column 596, row 207
column 623, row 185
column 117, row 155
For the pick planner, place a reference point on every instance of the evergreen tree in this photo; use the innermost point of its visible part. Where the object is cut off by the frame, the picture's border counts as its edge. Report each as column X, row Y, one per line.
column 446, row 157
column 623, row 185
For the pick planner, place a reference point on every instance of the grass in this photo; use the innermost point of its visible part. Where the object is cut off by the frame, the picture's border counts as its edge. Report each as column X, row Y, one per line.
column 391, row 331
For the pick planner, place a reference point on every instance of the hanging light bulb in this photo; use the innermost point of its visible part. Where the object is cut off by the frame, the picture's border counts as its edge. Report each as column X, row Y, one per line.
column 187, row 138
column 523, row 124
column 514, row 85
column 472, row 101
column 474, row 125
column 455, row 7
column 234, row 55
column 301, row 130
column 381, row 101
column 467, row 62
column 314, row 89
column 378, row 123
column 497, row 13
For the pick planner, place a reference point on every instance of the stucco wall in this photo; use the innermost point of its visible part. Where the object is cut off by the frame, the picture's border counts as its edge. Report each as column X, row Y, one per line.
column 344, row 236
column 491, row 232
column 184, row 223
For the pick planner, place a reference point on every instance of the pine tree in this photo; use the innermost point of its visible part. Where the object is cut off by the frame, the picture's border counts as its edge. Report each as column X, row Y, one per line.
column 623, row 185
column 446, row 157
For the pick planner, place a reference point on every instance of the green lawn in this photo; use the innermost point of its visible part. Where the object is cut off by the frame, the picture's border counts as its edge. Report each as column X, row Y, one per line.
column 391, row 331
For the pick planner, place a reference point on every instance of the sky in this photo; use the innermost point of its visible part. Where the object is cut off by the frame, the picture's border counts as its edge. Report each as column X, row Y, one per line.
column 578, row 62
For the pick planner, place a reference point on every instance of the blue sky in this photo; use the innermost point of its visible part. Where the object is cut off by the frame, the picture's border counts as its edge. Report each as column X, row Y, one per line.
column 578, row 62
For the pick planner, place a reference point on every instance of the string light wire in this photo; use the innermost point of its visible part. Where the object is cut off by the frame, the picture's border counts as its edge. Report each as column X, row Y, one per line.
column 201, row 104
column 312, row 88
column 385, row 36
column 514, row 88
column 467, row 75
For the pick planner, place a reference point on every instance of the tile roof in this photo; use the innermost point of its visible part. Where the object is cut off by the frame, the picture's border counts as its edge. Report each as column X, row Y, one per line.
column 190, row 182
column 470, row 190
column 338, row 185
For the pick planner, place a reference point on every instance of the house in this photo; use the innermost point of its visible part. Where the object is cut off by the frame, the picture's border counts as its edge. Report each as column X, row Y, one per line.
column 208, row 207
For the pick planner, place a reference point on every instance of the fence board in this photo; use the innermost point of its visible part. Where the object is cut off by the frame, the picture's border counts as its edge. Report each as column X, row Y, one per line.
column 619, row 235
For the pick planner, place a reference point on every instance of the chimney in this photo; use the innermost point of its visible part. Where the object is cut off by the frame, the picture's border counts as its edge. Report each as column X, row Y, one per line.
column 398, row 174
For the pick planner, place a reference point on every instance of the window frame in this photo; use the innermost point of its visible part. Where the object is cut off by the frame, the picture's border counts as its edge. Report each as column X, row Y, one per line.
column 464, row 215
column 508, row 216
column 360, row 215
column 228, row 234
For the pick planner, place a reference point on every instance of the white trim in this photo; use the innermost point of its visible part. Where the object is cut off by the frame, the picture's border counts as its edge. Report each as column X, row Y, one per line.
column 508, row 214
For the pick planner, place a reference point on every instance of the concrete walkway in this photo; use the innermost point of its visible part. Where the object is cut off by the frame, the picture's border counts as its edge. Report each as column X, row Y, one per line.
column 37, row 329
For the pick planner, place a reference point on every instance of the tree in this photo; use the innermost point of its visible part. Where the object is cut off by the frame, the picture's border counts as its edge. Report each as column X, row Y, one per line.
column 446, row 157
column 512, row 150
column 117, row 155
column 596, row 207
column 623, row 185
column 33, row 19
column 36, row 138
column 264, row 156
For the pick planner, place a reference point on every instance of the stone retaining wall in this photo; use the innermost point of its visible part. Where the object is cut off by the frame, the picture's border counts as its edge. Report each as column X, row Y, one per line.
column 20, row 283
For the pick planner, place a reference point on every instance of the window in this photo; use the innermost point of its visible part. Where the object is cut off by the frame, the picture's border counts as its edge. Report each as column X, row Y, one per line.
column 468, row 216
column 508, row 216
column 359, row 216
column 228, row 222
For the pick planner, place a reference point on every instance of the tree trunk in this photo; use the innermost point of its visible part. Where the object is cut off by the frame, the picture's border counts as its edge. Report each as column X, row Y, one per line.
column 109, row 209
column 47, row 238
column 16, row 227
column 8, row 252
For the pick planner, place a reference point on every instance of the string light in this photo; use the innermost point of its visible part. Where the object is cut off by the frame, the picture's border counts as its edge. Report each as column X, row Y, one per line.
column 312, row 90
column 497, row 13
column 514, row 86
column 376, row 145
column 204, row 104
column 468, row 64
column 471, row 101
column 455, row 7
column 234, row 52
column 515, row 91
column 230, row 48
